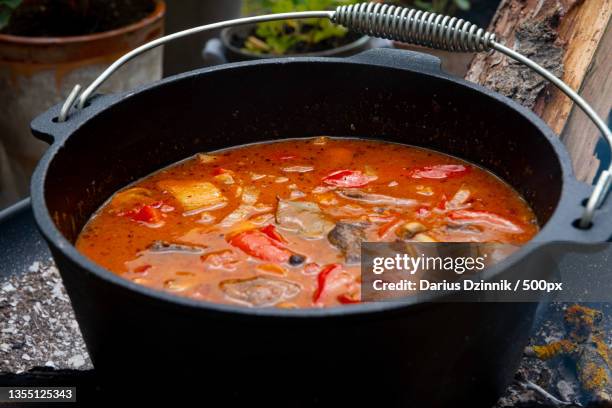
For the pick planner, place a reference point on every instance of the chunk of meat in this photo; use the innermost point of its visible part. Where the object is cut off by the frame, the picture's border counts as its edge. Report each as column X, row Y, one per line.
column 303, row 217
column 193, row 195
column 375, row 199
column 259, row 291
column 347, row 237
column 348, row 178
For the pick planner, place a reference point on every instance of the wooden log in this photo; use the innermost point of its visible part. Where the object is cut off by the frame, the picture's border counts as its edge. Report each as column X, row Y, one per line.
column 572, row 39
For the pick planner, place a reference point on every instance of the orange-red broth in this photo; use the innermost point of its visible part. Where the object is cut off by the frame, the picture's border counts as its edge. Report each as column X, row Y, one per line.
column 276, row 224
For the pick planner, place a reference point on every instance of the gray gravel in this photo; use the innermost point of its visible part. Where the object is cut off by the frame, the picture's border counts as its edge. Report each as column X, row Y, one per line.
column 38, row 328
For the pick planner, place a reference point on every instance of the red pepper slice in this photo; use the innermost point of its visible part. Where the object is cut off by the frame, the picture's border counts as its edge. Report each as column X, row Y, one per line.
column 439, row 171
column 270, row 230
column 219, row 170
column 322, row 280
column 142, row 268
column 258, row 244
column 348, row 178
column 347, row 299
column 147, row 213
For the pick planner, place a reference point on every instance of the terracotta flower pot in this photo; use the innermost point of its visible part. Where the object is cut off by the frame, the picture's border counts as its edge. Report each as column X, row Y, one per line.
column 38, row 72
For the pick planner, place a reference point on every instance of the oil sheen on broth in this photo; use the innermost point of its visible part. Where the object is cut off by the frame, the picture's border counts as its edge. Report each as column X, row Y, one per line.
column 280, row 224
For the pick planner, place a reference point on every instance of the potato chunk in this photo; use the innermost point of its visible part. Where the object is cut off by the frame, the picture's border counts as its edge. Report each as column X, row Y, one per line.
column 193, row 194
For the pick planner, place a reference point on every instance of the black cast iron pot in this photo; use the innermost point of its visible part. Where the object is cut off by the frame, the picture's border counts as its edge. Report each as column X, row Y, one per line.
column 424, row 354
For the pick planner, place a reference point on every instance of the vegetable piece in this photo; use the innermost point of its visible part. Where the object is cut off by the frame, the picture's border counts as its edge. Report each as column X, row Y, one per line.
column 259, row 245
column 147, row 214
column 322, row 280
column 321, row 141
column 303, row 217
column 348, row 178
column 484, row 219
column 250, row 195
column 127, row 199
column 206, row 158
column 409, row 230
column 349, row 298
column 193, row 194
column 271, row 268
column 260, row 291
column 378, row 199
column 459, row 200
column 270, row 230
column 439, row 171
column 283, row 156
column 298, row 169
column 225, row 178
column 242, row 213
column 347, row 237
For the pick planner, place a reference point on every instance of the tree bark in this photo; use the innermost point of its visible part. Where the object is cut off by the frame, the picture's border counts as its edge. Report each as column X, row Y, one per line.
column 571, row 38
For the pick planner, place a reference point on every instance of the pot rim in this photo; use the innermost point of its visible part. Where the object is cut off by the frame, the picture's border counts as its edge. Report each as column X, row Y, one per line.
column 354, row 45
column 157, row 14
column 58, row 242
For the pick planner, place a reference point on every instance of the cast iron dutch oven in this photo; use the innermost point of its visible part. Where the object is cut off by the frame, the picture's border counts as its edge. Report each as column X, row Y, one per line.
column 425, row 354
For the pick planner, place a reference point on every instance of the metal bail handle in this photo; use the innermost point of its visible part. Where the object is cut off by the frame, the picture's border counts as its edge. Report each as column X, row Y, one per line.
column 394, row 23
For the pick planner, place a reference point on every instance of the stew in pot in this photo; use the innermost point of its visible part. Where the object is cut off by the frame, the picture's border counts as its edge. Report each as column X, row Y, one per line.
column 281, row 223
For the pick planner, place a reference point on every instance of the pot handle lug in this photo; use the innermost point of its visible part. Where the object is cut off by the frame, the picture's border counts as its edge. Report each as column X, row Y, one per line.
column 48, row 128
column 400, row 59
column 213, row 54
column 600, row 228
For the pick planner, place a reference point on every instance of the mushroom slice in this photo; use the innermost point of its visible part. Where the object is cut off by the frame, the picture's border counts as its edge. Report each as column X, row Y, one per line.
column 259, row 291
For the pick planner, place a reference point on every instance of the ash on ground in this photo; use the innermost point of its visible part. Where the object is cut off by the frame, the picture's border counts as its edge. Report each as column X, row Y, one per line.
column 37, row 324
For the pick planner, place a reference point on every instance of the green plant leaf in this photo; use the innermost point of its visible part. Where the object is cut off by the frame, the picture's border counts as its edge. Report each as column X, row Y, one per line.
column 423, row 5
column 5, row 16
column 463, row 4
column 281, row 36
column 12, row 4
column 6, row 9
